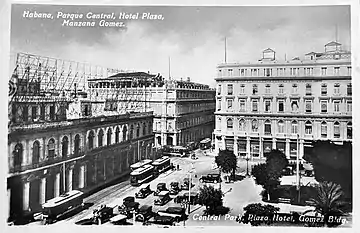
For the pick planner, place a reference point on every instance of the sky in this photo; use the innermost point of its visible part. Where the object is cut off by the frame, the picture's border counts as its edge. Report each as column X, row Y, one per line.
column 193, row 37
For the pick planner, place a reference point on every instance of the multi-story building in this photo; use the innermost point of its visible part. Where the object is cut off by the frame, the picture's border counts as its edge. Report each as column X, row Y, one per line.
column 285, row 105
column 183, row 109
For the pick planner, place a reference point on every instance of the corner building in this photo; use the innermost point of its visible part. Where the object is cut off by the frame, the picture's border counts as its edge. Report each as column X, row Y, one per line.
column 272, row 104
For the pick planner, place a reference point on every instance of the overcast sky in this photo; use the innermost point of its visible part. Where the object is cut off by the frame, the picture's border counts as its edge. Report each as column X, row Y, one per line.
column 192, row 36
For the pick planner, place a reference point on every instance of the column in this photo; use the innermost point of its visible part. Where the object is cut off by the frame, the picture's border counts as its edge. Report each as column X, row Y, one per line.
column 82, row 176
column 236, row 149
column 248, row 147
column 42, row 190
column 274, row 143
column 57, row 185
column 70, row 176
column 287, row 148
column 301, row 149
column 223, row 142
column 9, row 201
column 261, row 148
column 26, row 195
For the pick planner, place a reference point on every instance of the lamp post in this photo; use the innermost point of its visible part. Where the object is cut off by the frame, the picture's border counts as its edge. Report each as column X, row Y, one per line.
column 190, row 172
column 297, row 167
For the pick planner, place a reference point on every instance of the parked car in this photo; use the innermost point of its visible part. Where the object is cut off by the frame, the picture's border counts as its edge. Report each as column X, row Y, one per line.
column 128, row 199
column 163, row 220
column 143, row 192
column 211, row 178
column 288, row 171
column 186, row 183
column 194, row 197
column 178, row 213
column 163, row 198
column 174, row 188
column 119, row 219
column 129, row 208
column 145, row 213
column 159, row 188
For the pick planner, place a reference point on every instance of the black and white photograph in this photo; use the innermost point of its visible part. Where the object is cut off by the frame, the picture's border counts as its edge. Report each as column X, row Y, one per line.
column 180, row 116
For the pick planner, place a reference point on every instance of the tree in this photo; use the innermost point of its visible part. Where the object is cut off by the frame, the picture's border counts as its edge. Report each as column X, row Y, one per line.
column 268, row 174
column 257, row 209
column 227, row 162
column 328, row 200
column 329, row 160
column 211, row 198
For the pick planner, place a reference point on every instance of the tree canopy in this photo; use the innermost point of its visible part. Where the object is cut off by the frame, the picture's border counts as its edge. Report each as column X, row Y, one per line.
column 210, row 197
column 226, row 161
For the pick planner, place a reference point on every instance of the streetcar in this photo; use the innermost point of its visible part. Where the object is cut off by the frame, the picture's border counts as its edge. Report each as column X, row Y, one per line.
column 177, row 151
column 57, row 207
column 205, row 144
column 141, row 175
column 161, row 165
column 140, row 164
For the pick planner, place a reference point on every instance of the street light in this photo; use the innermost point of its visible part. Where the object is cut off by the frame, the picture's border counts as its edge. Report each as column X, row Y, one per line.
column 297, row 167
column 190, row 172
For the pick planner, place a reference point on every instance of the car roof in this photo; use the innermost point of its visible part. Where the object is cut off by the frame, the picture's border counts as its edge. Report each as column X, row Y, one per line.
column 175, row 209
column 163, row 193
column 145, row 207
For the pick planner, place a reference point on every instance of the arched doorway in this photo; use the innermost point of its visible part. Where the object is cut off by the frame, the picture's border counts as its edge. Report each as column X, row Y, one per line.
column 169, row 141
column 18, row 156
column 36, row 153
column 158, row 140
column 77, row 145
column 65, row 147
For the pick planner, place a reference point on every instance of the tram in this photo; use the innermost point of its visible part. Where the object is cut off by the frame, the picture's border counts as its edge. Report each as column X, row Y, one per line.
column 57, row 207
column 140, row 164
column 162, row 164
column 141, row 175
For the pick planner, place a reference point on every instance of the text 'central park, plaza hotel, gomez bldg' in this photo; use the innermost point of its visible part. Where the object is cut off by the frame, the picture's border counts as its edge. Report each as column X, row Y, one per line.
column 275, row 104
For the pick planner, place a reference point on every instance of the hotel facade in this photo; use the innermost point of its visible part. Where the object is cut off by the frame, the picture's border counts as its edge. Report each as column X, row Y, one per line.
column 285, row 105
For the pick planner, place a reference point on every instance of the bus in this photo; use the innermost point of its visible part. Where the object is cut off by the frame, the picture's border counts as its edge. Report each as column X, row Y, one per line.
column 140, row 164
column 162, row 164
column 141, row 175
column 205, row 144
column 177, row 151
column 57, row 207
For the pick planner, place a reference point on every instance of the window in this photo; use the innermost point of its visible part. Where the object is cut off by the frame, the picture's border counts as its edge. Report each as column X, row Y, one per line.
column 281, row 106
column 268, row 72
column 219, row 90
column 100, row 138
column 218, row 104
column 36, row 152
column 336, row 88
column 308, row 71
column 64, row 147
column 230, row 72
column 125, row 133
column 294, row 89
column 323, row 71
column 349, row 89
column 255, row 89
column 294, row 106
column 308, row 106
column 267, row 106
column 51, row 148
column 229, row 123
column 308, row 127
column 254, row 105
column 33, row 112
column 267, row 127
column 336, row 70
column 77, row 145
column 242, row 89
column 281, row 89
column 267, row 89
column 294, row 127
column 242, row 105
column 323, row 89
column 242, row 72
column 150, row 128
column 229, row 103
column 18, row 155
column 323, row 129
column 349, row 130
column 336, row 130
column 131, row 132
column 242, row 125
column 281, row 127
column 349, row 106
column 91, row 140
column 144, row 129
column 280, row 71
column 108, row 137
column 308, row 89
column 254, row 126
column 323, row 104
column 336, row 106
column 52, row 112
column 230, row 89
column 349, row 71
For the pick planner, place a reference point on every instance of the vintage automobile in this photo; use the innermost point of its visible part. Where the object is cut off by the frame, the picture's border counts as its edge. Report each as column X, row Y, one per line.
column 288, row 171
column 119, row 219
column 162, row 220
column 186, row 183
column 145, row 213
column 211, row 178
column 178, row 213
column 128, row 199
column 159, row 188
column 99, row 216
column 129, row 208
column 174, row 188
column 194, row 197
column 143, row 192
column 163, row 198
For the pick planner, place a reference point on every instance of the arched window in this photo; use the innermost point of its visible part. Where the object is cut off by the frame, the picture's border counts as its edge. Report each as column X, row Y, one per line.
column 125, row 133
column 91, row 140
column 254, row 126
column 308, row 127
column 349, row 130
column 36, row 152
column 267, row 127
column 144, row 129
column 108, row 138
column 131, row 133
column 294, row 127
column 323, row 129
column 117, row 132
column 138, row 131
column 51, row 148
column 229, row 123
column 64, row 147
column 18, row 155
column 77, row 145
column 242, row 125
column 281, row 126
column 100, row 138
column 336, row 130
